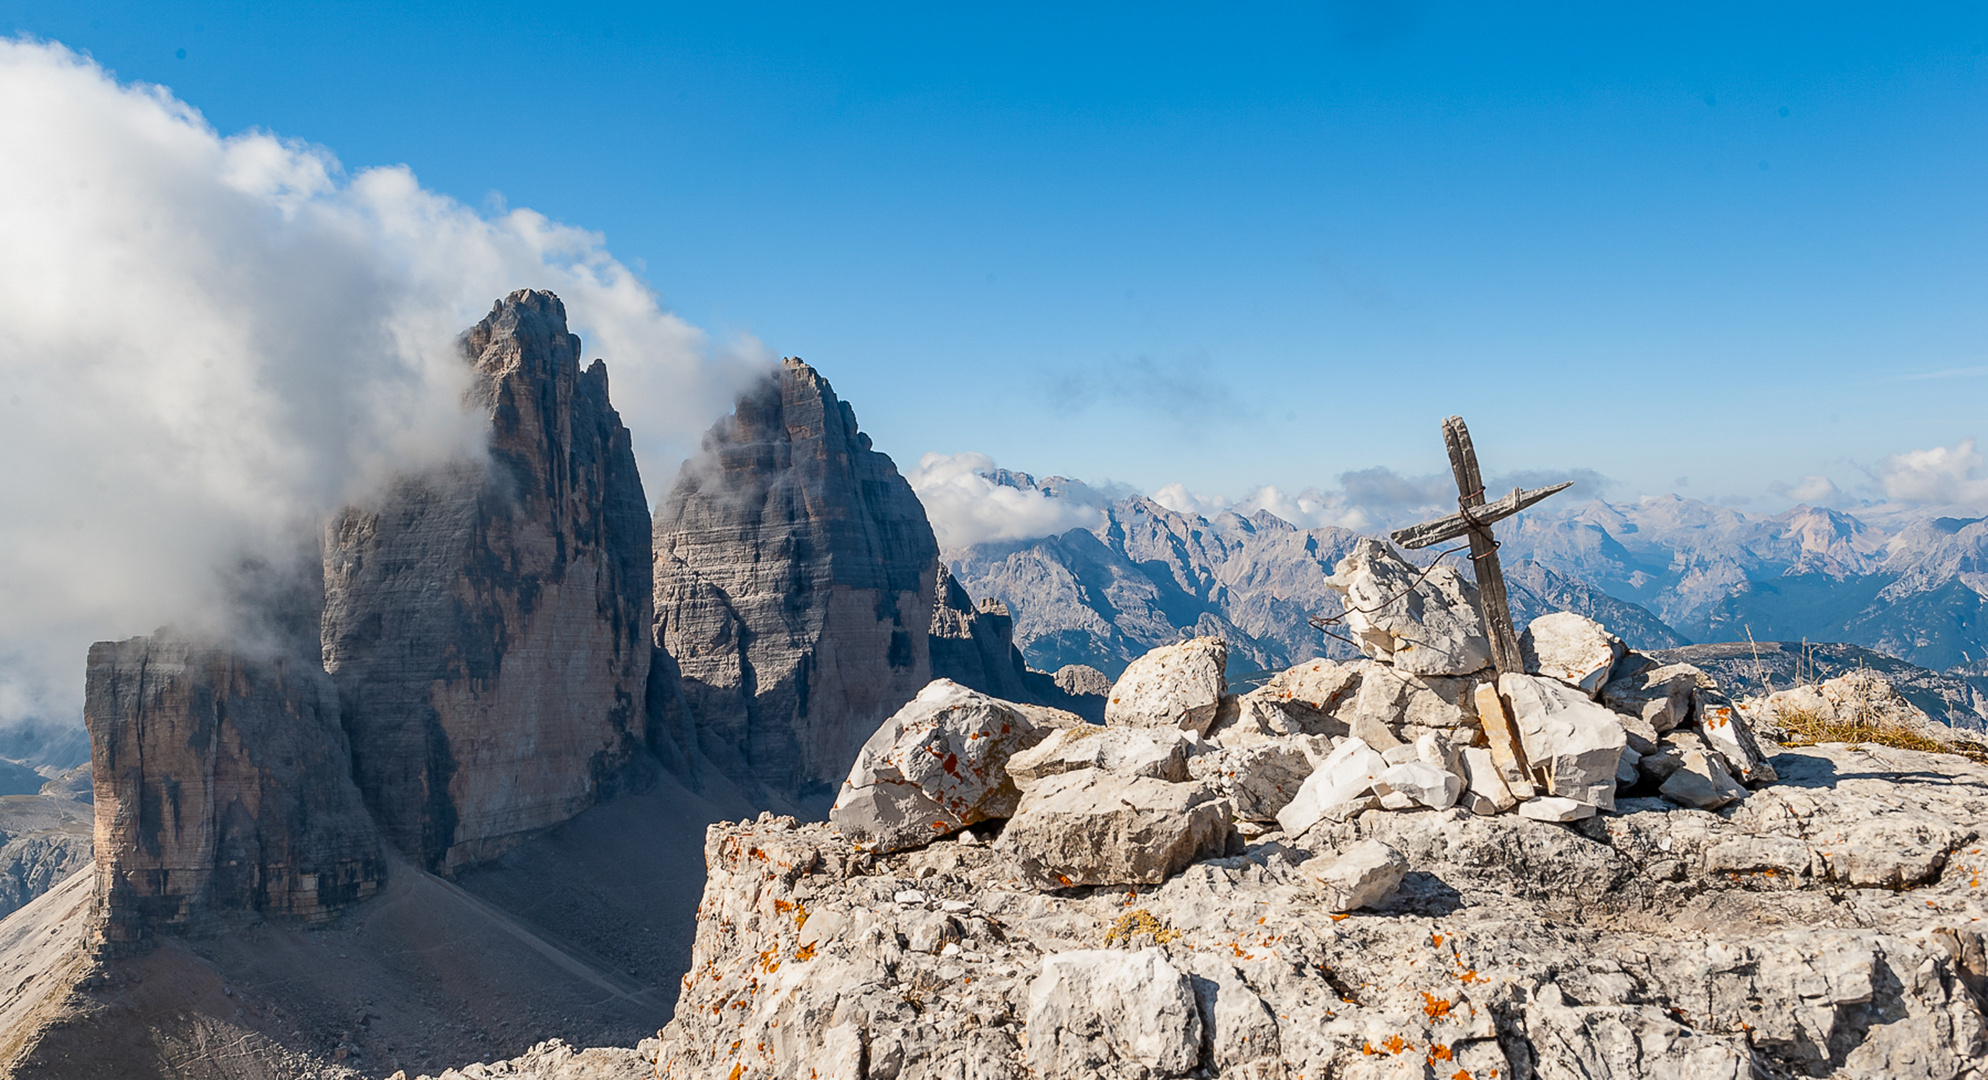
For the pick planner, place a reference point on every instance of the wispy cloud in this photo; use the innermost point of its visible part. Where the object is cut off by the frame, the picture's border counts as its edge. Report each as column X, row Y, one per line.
column 1182, row 392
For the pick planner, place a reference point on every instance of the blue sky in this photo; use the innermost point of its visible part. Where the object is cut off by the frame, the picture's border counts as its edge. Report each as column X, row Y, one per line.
column 1691, row 248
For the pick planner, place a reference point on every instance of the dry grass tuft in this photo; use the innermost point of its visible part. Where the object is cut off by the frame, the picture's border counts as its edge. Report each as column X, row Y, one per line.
column 1806, row 728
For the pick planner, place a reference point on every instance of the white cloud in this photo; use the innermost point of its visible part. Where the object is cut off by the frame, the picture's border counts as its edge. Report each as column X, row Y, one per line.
column 967, row 508
column 1816, row 490
column 1177, row 498
column 211, row 342
column 1941, row 475
column 1307, row 509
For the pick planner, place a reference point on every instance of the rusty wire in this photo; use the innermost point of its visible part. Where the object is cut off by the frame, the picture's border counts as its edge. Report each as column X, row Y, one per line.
column 1478, row 529
column 1320, row 623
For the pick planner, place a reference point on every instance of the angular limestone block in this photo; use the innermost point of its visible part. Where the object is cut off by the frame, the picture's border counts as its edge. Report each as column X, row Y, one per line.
column 1572, row 648
column 1422, row 624
column 1730, row 735
column 1094, row 828
column 1178, row 686
column 936, row 766
column 1361, row 876
column 1428, row 785
column 1662, row 696
column 1348, row 774
column 1262, row 778
column 1156, row 752
column 1573, row 744
column 1701, row 782
column 1091, row 1008
column 1555, row 808
column 1487, row 789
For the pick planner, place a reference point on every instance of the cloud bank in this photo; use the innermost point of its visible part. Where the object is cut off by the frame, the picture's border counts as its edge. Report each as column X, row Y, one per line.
column 212, row 341
column 1942, row 476
column 967, row 506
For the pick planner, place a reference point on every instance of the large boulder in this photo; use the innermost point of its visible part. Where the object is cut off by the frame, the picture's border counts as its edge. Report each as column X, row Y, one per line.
column 937, row 766
column 1155, row 752
column 1093, row 1008
column 1422, row 623
column 1178, row 686
column 1096, row 828
column 1298, row 701
column 1574, row 744
column 1572, row 648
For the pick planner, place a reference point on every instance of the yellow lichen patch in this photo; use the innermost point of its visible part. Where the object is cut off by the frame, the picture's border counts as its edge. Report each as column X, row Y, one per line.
column 805, row 952
column 1134, row 924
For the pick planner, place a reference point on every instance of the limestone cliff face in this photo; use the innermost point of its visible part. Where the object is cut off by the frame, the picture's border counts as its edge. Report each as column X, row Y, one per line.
column 795, row 573
column 974, row 645
column 488, row 625
column 222, row 784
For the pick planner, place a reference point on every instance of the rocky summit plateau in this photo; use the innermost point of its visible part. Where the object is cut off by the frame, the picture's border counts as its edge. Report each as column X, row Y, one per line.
column 526, row 780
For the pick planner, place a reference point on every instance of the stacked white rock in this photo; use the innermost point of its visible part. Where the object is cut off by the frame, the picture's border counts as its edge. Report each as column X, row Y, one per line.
column 1592, row 716
column 1182, row 771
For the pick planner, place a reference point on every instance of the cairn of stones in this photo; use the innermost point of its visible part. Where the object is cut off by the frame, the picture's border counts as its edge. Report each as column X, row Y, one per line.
column 1183, row 770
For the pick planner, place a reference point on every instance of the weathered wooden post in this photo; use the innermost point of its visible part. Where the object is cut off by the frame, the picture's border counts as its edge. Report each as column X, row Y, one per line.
column 1474, row 517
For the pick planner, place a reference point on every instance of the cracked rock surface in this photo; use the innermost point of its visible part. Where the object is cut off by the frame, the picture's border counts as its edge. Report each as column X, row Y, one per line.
column 1829, row 925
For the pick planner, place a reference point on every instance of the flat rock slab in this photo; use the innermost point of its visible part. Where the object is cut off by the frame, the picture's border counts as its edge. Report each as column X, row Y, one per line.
column 1572, row 648
column 1159, row 753
column 1178, row 686
column 937, row 766
column 1094, row 1008
column 1093, row 828
column 1423, row 624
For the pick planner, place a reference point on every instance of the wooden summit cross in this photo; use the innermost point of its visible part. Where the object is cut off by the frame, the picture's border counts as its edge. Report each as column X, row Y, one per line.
column 1475, row 517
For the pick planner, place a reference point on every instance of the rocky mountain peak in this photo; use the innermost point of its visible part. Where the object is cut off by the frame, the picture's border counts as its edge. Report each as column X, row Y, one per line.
column 795, row 575
column 456, row 608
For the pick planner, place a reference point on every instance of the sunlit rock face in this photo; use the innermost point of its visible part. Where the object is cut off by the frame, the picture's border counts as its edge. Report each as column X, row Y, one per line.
column 222, row 786
column 795, row 574
column 488, row 625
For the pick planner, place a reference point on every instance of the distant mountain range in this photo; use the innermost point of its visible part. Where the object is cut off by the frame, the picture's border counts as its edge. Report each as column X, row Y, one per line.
column 1913, row 590
column 1148, row 576
column 1661, row 573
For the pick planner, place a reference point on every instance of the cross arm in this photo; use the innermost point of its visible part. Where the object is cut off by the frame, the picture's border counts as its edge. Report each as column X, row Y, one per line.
column 1455, row 525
